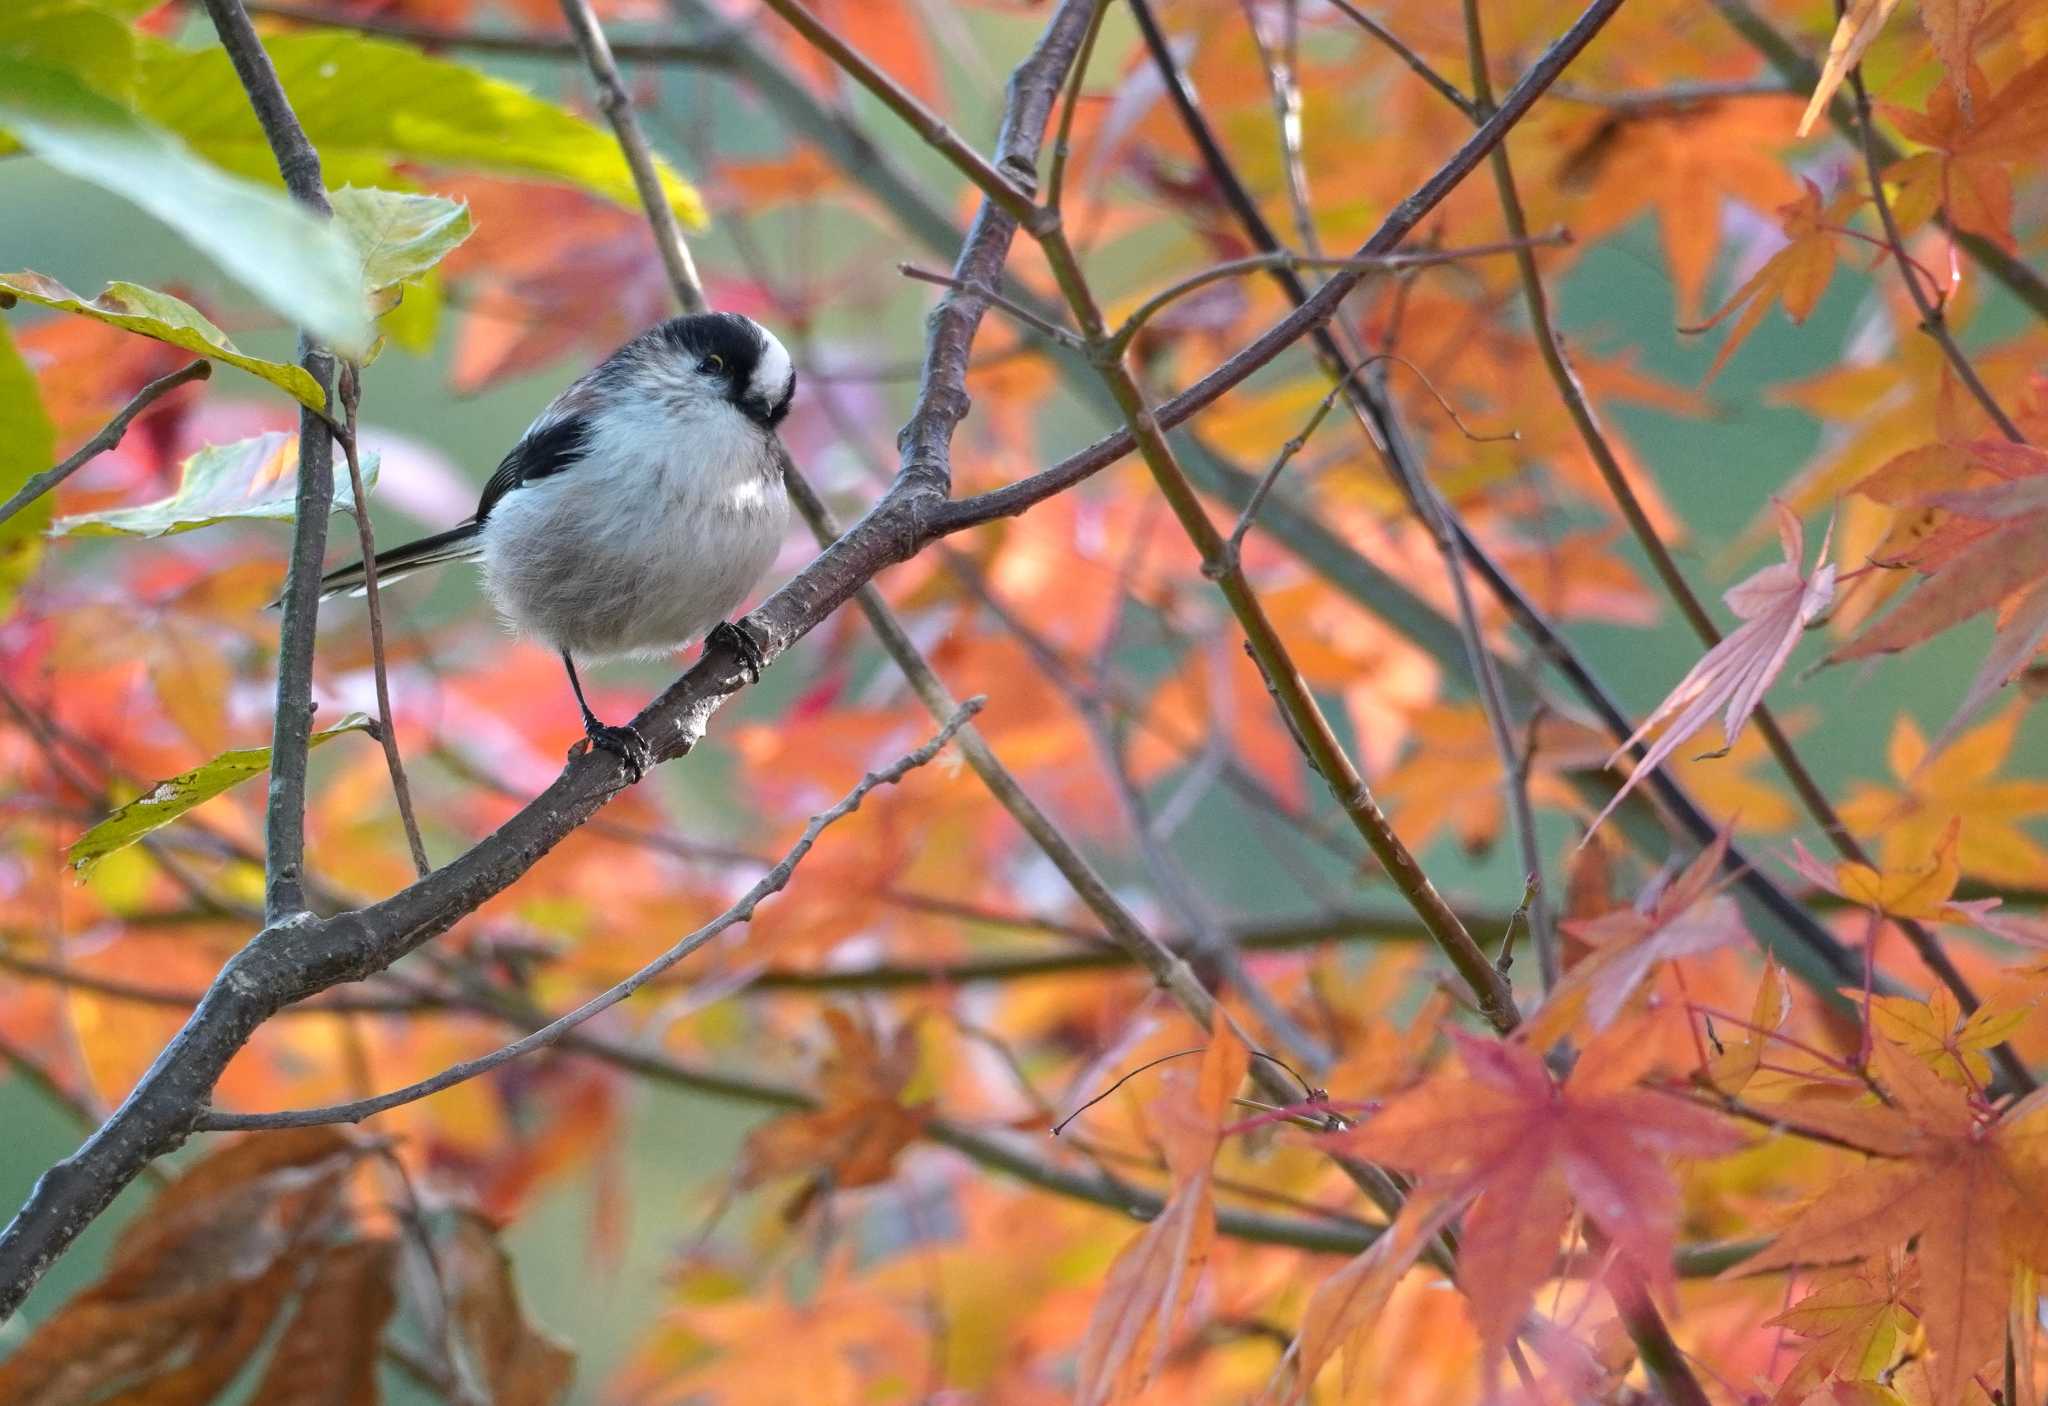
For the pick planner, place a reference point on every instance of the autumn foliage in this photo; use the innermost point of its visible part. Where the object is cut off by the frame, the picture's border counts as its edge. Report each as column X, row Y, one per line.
column 1492, row 900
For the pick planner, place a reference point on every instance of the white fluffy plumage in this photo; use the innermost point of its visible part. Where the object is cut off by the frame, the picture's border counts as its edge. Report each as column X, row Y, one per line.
column 639, row 508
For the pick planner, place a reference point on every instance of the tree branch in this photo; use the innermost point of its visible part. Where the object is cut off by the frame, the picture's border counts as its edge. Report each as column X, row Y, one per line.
column 285, row 820
column 617, row 105
column 108, row 437
column 770, row 883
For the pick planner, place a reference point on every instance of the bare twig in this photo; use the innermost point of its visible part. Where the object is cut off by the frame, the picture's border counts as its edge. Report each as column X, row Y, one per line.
column 107, row 438
column 617, row 104
column 1288, row 259
column 994, row 299
column 996, row 184
column 366, row 539
column 1416, row 63
column 770, row 883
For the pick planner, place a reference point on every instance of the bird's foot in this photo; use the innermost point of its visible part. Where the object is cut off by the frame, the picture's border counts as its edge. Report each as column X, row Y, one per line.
column 740, row 640
column 623, row 742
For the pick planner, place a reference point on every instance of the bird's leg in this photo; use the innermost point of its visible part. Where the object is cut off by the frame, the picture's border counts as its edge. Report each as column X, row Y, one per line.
column 736, row 637
column 622, row 742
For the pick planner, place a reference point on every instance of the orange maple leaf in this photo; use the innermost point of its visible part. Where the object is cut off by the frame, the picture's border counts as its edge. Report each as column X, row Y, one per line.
column 1685, row 918
column 1521, row 1149
column 861, row 1124
column 1970, row 1182
column 1776, row 605
column 1796, row 275
column 1976, row 136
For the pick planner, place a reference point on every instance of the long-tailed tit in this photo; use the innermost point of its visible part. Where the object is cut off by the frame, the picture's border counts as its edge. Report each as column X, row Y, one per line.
column 637, row 510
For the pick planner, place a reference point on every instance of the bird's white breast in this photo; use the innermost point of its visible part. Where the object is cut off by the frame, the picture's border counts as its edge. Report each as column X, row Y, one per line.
column 651, row 540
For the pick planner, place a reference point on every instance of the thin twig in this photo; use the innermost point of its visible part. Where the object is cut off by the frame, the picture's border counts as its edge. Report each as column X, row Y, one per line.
column 1288, row 259
column 1674, row 95
column 366, row 539
column 991, row 296
column 993, row 183
column 770, row 883
column 1416, row 63
column 617, row 104
column 108, row 437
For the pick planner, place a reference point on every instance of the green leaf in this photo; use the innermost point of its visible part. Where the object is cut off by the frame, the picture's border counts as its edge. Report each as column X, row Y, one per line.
column 27, row 444
column 252, row 478
column 291, row 259
column 84, row 40
column 367, row 103
column 167, row 800
column 396, row 234
column 168, row 319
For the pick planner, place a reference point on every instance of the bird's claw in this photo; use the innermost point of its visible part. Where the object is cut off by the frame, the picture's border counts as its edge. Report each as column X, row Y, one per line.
column 740, row 641
column 623, row 742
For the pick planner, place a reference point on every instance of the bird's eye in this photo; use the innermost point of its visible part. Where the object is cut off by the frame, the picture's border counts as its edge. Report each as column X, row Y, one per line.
column 713, row 362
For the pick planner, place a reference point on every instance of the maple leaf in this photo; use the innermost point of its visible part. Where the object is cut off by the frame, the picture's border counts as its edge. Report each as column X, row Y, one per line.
column 1937, row 1031
column 1345, row 1306
column 1993, row 549
column 1796, row 275
column 1506, row 1138
column 1907, row 824
column 1684, row 918
column 1920, row 892
column 1735, row 1065
column 1154, row 1275
column 1775, row 605
column 862, row 1122
column 1860, row 24
column 1855, row 1319
column 1976, row 137
column 1971, row 1183
column 192, row 1290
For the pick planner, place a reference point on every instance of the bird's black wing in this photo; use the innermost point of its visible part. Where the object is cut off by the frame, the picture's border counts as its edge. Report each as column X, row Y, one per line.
column 553, row 447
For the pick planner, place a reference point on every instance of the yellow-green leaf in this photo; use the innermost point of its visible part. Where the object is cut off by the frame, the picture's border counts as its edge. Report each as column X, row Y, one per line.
column 27, row 443
column 167, row 800
column 168, row 319
column 397, row 234
column 288, row 257
column 367, row 103
column 251, row 478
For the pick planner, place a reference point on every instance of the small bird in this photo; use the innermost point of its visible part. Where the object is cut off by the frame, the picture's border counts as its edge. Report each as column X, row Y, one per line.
column 637, row 510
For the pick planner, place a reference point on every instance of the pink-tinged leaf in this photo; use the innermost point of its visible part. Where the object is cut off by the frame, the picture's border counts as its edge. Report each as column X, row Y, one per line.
column 2019, row 638
column 1149, row 1285
column 1997, row 565
column 1776, row 605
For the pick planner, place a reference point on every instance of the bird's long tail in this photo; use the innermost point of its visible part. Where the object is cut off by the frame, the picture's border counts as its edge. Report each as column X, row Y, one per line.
column 400, row 562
